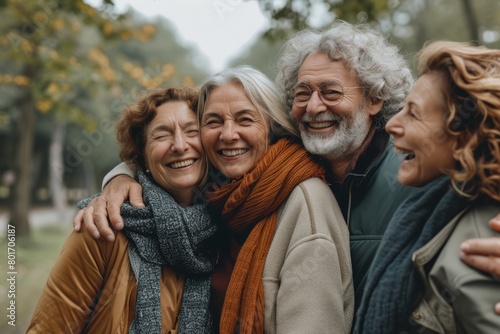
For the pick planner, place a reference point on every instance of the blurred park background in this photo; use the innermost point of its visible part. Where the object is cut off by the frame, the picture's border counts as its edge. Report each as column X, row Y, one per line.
column 68, row 67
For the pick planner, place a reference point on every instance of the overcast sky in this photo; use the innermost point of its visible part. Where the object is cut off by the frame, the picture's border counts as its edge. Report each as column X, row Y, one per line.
column 219, row 29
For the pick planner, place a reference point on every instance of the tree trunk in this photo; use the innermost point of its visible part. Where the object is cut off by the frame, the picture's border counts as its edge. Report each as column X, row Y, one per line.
column 470, row 16
column 23, row 170
column 89, row 178
column 56, row 182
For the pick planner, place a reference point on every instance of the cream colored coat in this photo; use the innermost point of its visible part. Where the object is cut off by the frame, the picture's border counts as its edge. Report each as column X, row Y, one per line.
column 307, row 275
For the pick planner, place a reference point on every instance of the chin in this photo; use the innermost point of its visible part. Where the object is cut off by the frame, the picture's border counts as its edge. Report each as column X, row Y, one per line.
column 407, row 181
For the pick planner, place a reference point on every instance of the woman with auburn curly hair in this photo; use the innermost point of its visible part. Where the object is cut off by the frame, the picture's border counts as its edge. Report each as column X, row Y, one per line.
column 154, row 277
column 449, row 132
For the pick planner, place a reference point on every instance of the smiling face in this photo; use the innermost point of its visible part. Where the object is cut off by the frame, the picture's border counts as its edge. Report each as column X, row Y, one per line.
column 419, row 133
column 234, row 133
column 173, row 151
column 333, row 131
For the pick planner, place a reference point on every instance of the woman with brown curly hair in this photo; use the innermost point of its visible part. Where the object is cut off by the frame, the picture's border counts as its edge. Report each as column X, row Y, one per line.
column 155, row 276
column 449, row 134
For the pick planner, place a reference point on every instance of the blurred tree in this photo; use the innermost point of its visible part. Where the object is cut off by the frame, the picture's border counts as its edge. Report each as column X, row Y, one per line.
column 263, row 55
column 424, row 19
column 53, row 62
column 406, row 23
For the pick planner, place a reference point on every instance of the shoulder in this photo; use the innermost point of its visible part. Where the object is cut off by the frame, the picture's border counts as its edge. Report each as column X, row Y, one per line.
column 470, row 292
column 472, row 224
column 311, row 209
column 80, row 245
column 311, row 192
column 475, row 221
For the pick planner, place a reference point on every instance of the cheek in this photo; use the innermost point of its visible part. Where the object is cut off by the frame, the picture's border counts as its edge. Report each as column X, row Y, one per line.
column 155, row 153
column 297, row 113
column 208, row 140
column 148, row 154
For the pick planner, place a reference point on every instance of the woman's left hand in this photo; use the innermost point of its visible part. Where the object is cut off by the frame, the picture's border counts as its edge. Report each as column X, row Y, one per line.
column 484, row 253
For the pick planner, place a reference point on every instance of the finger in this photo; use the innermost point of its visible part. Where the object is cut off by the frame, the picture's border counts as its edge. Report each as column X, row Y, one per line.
column 495, row 223
column 488, row 264
column 88, row 222
column 114, row 205
column 100, row 217
column 497, row 308
column 481, row 246
column 77, row 221
column 115, row 218
column 136, row 195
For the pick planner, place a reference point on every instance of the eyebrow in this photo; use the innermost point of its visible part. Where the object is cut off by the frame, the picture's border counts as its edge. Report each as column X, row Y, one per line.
column 160, row 127
column 163, row 127
column 236, row 114
column 247, row 111
column 308, row 84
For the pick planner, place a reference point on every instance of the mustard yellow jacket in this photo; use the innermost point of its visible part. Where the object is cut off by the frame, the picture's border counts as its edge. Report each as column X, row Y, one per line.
column 92, row 289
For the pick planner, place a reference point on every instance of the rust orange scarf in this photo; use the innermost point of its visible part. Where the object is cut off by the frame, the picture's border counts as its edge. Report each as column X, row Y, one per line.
column 248, row 205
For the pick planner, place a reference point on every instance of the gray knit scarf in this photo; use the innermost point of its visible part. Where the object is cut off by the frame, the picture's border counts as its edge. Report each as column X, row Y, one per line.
column 394, row 286
column 165, row 234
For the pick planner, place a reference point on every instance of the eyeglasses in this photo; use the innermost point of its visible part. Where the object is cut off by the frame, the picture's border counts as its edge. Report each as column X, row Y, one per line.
column 330, row 93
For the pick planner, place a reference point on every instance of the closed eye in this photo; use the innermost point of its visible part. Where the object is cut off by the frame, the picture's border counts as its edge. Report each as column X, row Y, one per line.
column 192, row 132
column 212, row 122
column 245, row 120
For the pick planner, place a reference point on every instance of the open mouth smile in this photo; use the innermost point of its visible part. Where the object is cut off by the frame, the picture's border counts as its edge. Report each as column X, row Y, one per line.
column 409, row 155
column 232, row 153
column 181, row 164
column 321, row 125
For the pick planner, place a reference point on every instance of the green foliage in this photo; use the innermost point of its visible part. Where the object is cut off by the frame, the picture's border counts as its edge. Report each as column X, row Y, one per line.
column 69, row 61
column 296, row 15
column 406, row 23
column 262, row 55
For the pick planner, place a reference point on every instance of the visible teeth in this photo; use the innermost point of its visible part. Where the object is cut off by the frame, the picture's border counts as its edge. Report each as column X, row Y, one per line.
column 232, row 153
column 321, row 125
column 398, row 150
column 180, row 164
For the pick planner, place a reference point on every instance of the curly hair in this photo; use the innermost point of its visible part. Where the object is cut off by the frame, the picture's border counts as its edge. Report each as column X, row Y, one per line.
column 472, row 97
column 379, row 67
column 134, row 120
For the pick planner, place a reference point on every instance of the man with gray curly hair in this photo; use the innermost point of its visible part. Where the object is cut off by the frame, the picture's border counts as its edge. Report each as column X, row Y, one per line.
column 341, row 87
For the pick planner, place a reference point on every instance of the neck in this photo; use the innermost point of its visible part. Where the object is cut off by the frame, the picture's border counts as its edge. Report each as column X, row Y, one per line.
column 184, row 197
column 343, row 165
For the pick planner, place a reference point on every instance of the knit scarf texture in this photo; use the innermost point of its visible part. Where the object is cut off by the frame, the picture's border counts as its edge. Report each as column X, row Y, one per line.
column 394, row 286
column 248, row 206
column 166, row 234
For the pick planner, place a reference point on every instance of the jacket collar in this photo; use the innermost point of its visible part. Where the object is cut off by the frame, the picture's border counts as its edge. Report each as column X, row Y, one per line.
column 375, row 150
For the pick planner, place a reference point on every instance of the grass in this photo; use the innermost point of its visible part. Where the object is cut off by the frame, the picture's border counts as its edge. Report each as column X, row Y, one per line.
column 35, row 256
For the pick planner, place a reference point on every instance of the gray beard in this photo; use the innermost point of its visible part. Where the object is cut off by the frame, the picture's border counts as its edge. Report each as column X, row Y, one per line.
column 345, row 139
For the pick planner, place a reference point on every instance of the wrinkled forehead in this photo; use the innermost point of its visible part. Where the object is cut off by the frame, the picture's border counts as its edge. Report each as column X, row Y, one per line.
column 318, row 68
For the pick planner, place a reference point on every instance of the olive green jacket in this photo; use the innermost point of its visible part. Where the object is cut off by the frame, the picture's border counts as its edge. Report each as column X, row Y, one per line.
column 458, row 298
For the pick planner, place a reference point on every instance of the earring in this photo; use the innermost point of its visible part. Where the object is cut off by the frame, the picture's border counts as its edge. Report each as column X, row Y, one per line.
column 147, row 171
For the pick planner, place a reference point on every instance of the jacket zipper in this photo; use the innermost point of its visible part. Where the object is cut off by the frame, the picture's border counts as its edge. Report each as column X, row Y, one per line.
column 349, row 206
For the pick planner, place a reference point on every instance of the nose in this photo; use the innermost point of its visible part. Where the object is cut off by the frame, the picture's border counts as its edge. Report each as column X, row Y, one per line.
column 228, row 132
column 315, row 104
column 180, row 143
column 394, row 125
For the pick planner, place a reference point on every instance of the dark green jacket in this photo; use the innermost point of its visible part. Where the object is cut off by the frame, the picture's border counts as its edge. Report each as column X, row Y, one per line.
column 368, row 197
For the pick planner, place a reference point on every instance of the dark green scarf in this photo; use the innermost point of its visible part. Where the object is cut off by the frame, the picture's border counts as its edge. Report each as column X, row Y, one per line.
column 394, row 287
